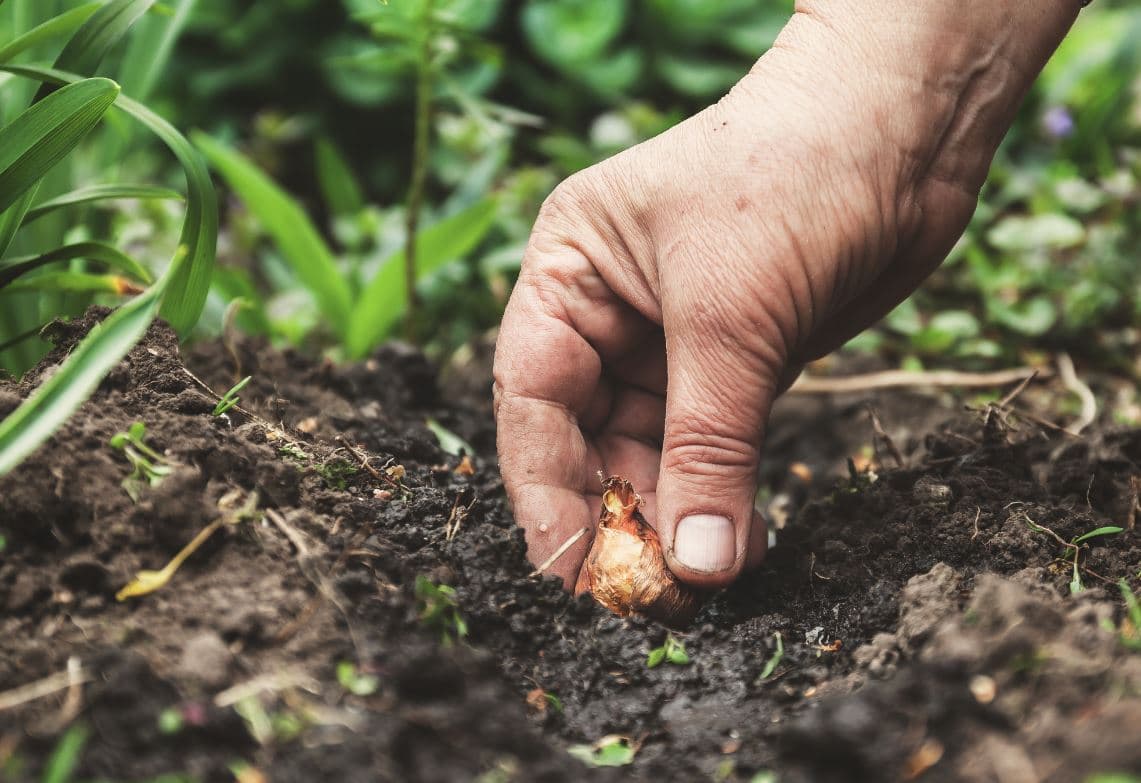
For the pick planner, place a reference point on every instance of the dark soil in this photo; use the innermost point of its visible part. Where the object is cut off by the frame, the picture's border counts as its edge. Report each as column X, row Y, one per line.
column 928, row 630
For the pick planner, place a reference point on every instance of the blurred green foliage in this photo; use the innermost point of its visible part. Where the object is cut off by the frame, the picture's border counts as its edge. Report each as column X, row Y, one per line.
column 320, row 98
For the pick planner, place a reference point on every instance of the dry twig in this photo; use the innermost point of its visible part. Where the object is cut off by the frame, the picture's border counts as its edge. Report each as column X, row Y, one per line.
column 894, row 379
column 562, row 550
column 1070, row 380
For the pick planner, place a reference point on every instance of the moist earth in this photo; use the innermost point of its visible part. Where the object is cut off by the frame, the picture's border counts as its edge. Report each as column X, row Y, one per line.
column 925, row 613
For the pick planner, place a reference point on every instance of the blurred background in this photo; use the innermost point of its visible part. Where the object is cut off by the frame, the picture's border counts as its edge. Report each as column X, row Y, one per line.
column 466, row 113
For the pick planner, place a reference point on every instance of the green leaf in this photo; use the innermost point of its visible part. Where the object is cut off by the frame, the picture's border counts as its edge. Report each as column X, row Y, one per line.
column 772, row 663
column 291, row 229
column 90, row 44
column 656, row 656
column 12, row 217
column 904, row 318
column 54, row 400
column 91, row 193
column 95, row 251
column 678, row 656
column 1108, row 530
column 383, row 301
column 698, row 77
column 149, row 48
column 65, row 758
column 450, row 443
column 73, row 282
column 568, row 32
column 944, row 330
column 45, row 133
column 199, row 236
column 55, row 27
column 339, row 185
column 1034, row 232
column 1032, row 317
column 607, row 752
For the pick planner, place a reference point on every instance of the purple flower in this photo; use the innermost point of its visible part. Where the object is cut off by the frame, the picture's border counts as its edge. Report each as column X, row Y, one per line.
column 1058, row 122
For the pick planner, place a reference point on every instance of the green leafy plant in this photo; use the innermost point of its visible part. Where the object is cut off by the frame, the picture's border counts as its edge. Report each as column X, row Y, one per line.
column 231, row 398
column 149, row 467
column 610, row 751
column 67, row 107
column 774, row 660
column 1073, row 547
column 440, row 611
column 671, row 650
column 65, row 758
column 1131, row 629
column 356, row 683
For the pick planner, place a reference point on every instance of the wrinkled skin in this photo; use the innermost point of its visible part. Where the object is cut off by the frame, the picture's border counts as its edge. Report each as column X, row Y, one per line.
column 668, row 294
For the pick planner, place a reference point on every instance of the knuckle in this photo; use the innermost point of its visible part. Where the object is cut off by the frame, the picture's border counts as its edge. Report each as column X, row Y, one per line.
column 693, row 447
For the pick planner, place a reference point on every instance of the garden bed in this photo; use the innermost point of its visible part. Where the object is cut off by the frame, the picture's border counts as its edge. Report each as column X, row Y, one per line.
column 925, row 617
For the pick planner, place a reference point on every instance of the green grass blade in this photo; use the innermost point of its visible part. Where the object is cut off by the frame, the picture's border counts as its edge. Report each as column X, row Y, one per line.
column 95, row 251
column 65, row 758
column 56, row 27
column 286, row 222
column 12, row 217
column 148, row 50
column 200, row 227
column 91, row 42
column 384, row 299
column 1108, row 530
column 338, row 184
column 54, row 400
column 41, row 136
column 72, row 283
column 92, row 193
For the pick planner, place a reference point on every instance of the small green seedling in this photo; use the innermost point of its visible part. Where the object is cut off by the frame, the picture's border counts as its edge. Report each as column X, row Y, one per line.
column 555, row 702
column 149, row 467
column 610, row 751
column 336, row 473
column 65, row 758
column 1074, row 545
column 231, row 398
column 439, row 610
column 356, row 683
column 671, row 650
column 1131, row 627
column 774, row 660
column 170, row 721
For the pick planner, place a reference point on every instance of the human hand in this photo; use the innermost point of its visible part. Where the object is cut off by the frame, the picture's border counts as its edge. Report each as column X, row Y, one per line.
column 669, row 293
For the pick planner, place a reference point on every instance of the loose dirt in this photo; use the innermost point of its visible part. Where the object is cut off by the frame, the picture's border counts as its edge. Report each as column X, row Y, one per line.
column 924, row 611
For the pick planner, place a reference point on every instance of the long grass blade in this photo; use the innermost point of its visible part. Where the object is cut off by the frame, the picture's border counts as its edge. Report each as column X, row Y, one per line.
column 383, row 301
column 54, row 400
column 44, row 134
column 149, row 48
column 286, row 222
column 200, row 227
column 12, row 218
column 339, row 186
column 56, row 27
column 94, row 251
column 72, row 283
column 91, row 42
column 93, row 193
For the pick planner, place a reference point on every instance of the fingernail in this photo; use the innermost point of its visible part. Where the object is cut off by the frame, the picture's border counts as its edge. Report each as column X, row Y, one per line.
column 705, row 542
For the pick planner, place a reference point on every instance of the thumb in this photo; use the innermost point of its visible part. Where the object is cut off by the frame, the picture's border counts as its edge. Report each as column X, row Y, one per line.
column 721, row 386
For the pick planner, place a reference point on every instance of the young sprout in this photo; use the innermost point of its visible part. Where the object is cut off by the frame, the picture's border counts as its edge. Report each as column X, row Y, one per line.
column 1074, row 545
column 1131, row 626
column 356, row 683
column 772, row 663
column 439, row 610
column 610, row 751
column 671, row 650
column 148, row 465
column 231, row 398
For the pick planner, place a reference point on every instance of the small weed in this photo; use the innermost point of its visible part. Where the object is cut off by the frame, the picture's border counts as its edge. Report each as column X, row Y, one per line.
column 1075, row 545
column 3, row 542
column 148, row 466
column 66, row 755
column 231, row 398
column 296, row 453
column 555, row 702
column 336, row 473
column 356, row 683
column 1131, row 625
column 170, row 721
column 267, row 727
column 610, row 751
column 439, row 610
column 671, row 650
column 774, row 660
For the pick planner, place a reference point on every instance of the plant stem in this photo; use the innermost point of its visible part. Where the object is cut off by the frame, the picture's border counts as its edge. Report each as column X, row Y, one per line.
column 420, row 148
